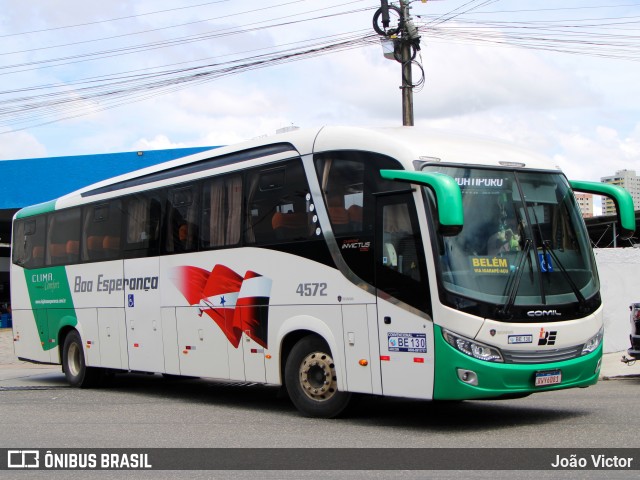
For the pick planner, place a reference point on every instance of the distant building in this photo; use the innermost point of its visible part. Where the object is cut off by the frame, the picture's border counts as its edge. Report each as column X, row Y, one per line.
column 585, row 202
column 626, row 179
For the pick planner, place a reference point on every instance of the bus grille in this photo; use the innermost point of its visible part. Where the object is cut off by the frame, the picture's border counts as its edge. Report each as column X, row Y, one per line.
column 542, row 356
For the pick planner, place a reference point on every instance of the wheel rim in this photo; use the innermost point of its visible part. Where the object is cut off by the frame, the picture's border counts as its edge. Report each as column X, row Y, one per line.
column 318, row 376
column 73, row 359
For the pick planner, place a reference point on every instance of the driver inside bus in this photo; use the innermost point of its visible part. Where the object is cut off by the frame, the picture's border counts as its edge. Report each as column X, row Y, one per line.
column 504, row 240
column 511, row 241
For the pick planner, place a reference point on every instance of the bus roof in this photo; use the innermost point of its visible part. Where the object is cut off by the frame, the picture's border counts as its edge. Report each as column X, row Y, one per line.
column 413, row 143
column 406, row 144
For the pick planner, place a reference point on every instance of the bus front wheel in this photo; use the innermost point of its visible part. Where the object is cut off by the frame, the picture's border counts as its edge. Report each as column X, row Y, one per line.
column 74, row 365
column 311, row 381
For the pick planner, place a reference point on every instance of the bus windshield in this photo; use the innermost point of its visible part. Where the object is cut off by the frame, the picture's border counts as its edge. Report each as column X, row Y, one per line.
column 523, row 241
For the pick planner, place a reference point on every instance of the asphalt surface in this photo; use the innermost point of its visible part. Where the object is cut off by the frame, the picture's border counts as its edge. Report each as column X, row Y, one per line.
column 140, row 410
column 14, row 372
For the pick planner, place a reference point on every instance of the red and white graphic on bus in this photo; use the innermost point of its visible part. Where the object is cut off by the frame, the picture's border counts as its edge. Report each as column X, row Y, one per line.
column 237, row 304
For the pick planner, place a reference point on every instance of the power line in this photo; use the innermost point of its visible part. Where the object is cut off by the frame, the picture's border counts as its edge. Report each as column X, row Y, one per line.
column 30, row 106
column 452, row 14
column 80, row 102
column 112, row 37
column 111, row 19
column 114, row 52
column 557, row 9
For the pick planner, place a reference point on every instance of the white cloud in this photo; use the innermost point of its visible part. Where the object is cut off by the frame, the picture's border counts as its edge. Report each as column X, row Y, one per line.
column 159, row 142
column 463, row 79
column 600, row 152
column 222, row 102
column 20, row 145
column 570, row 107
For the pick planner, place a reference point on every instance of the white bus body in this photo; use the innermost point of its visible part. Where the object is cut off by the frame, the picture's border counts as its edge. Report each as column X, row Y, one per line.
column 293, row 260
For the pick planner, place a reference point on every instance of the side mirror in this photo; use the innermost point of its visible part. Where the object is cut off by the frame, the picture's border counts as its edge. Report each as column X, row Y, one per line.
column 622, row 199
column 447, row 193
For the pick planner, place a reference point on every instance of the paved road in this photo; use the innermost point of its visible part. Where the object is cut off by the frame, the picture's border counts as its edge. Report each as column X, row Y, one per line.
column 149, row 411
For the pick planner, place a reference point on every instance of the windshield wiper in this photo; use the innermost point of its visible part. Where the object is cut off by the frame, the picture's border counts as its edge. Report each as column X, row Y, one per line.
column 546, row 247
column 513, row 286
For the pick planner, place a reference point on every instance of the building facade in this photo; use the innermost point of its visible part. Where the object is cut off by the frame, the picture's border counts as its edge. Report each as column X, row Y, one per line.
column 626, row 179
column 585, row 202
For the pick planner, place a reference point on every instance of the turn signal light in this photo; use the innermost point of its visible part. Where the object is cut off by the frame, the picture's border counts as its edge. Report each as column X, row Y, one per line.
column 363, row 362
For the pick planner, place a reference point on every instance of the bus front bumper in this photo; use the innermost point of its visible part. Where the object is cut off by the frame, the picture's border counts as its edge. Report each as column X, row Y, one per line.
column 504, row 380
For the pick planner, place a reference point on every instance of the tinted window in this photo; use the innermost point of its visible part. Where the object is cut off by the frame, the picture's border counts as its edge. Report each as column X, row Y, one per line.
column 523, row 241
column 401, row 270
column 221, row 211
column 349, row 182
column 28, row 242
column 63, row 237
column 142, row 224
column 181, row 226
column 101, row 231
column 279, row 206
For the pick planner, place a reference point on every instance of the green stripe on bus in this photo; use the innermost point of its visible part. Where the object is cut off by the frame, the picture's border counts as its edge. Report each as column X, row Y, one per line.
column 51, row 302
column 45, row 207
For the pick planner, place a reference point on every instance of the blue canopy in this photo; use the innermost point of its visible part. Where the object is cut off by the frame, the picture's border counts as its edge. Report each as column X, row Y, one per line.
column 36, row 180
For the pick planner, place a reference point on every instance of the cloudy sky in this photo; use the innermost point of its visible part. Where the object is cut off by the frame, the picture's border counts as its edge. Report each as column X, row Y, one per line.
column 89, row 76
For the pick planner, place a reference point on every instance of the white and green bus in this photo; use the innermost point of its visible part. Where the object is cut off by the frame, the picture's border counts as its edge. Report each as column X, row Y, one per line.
column 335, row 262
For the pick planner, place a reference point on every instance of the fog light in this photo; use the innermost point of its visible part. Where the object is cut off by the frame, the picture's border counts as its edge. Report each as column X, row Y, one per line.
column 598, row 365
column 467, row 376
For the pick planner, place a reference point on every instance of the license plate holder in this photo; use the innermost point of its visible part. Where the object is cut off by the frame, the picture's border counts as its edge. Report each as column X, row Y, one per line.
column 548, row 377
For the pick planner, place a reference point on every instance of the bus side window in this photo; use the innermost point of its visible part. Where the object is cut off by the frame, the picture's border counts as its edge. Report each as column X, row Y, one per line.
column 28, row 242
column 142, row 224
column 342, row 181
column 221, row 211
column 278, row 206
column 101, row 231
column 63, row 236
column 182, row 220
column 399, row 241
column 400, row 257
column 350, row 181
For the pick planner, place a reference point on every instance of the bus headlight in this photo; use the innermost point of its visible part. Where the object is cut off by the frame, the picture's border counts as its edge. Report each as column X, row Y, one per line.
column 593, row 343
column 473, row 348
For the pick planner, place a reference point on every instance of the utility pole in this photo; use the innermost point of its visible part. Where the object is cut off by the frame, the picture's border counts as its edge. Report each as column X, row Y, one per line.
column 407, row 81
column 405, row 44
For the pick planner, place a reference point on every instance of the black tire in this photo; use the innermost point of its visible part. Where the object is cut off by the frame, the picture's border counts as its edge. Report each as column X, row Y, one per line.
column 310, row 379
column 74, row 365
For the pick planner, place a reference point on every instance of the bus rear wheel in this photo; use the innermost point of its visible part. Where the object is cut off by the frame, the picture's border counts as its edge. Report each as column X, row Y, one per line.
column 311, row 381
column 74, row 365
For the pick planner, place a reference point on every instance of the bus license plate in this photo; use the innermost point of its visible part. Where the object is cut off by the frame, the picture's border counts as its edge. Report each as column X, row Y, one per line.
column 550, row 377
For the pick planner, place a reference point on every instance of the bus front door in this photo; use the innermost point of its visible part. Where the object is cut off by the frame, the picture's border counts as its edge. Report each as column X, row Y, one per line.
column 405, row 333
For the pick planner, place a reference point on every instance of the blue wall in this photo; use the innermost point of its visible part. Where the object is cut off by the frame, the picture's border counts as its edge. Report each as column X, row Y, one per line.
column 36, row 180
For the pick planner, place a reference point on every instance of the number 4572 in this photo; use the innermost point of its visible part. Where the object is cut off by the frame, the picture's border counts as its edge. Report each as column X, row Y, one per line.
column 312, row 289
